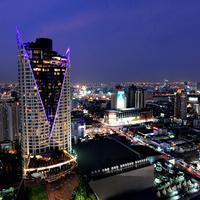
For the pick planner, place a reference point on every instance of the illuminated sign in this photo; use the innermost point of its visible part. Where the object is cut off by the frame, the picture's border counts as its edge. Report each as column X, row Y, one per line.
column 120, row 100
column 193, row 99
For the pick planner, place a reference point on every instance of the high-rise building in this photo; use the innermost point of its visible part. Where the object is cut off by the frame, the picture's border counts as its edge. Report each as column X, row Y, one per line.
column 180, row 105
column 45, row 100
column 8, row 120
column 135, row 97
column 131, row 96
column 118, row 98
column 139, row 98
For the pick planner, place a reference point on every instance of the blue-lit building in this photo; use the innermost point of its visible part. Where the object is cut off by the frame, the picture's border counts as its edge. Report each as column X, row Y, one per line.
column 119, row 98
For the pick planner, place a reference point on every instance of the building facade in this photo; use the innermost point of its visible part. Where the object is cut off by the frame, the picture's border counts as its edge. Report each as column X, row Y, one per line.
column 180, row 105
column 135, row 97
column 118, row 100
column 128, row 116
column 45, row 100
column 9, row 129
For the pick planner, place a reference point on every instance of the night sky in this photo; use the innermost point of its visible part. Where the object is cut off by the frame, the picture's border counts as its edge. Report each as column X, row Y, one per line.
column 110, row 40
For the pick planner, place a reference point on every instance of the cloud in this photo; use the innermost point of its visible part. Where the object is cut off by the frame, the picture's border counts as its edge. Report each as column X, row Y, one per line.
column 70, row 24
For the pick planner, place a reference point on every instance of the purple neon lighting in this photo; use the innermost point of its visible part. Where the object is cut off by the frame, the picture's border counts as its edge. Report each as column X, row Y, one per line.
column 25, row 54
column 67, row 55
column 18, row 36
column 58, row 106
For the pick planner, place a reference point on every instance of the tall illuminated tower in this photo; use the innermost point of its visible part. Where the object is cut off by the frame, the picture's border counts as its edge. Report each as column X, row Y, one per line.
column 44, row 84
column 119, row 98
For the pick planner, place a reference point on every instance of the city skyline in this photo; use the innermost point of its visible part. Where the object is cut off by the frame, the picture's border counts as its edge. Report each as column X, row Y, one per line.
column 99, row 99
column 135, row 41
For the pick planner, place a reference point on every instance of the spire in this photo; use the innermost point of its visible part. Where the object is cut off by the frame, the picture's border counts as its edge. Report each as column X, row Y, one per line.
column 19, row 39
column 67, row 55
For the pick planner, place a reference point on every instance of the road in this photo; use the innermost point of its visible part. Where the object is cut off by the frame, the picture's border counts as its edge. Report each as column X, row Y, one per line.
column 108, row 130
column 184, row 167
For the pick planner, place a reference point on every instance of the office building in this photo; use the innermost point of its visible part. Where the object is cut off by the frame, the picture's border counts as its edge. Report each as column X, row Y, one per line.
column 131, row 96
column 118, row 100
column 8, row 120
column 135, row 97
column 128, row 116
column 180, row 105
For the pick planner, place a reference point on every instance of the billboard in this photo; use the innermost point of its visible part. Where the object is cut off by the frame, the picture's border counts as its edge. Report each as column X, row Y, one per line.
column 120, row 100
column 193, row 99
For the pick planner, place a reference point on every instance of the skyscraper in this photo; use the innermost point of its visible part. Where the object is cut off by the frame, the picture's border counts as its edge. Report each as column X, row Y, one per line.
column 45, row 103
column 180, row 105
column 118, row 98
column 135, row 97
column 131, row 96
column 8, row 120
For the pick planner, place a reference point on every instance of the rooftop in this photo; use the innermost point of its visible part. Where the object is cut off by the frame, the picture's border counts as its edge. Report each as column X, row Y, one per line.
column 108, row 152
column 102, row 153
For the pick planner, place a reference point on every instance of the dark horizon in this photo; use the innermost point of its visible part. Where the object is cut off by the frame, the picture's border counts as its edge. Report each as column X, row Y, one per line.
column 110, row 40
